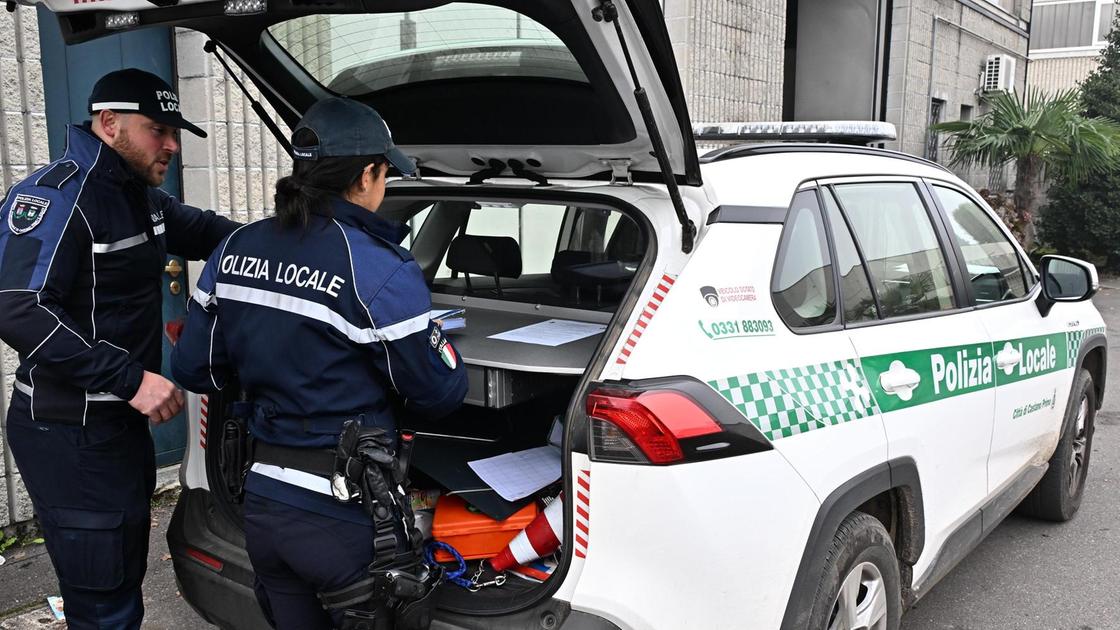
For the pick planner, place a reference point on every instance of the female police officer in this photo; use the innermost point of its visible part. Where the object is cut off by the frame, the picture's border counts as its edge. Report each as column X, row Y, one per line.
column 322, row 315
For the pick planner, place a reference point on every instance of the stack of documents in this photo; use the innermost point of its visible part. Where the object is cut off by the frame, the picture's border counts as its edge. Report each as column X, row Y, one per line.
column 450, row 318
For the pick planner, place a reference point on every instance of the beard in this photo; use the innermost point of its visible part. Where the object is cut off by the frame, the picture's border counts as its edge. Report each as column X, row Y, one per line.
column 151, row 170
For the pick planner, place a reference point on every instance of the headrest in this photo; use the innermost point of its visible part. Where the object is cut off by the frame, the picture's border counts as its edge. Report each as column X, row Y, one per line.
column 626, row 241
column 485, row 255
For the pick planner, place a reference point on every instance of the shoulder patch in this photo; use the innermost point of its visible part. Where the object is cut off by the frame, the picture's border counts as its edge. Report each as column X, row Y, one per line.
column 27, row 212
column 58, row 174
column 447, row 354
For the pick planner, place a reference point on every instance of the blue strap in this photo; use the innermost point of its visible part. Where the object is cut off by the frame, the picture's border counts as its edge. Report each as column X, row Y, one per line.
column 456, row 575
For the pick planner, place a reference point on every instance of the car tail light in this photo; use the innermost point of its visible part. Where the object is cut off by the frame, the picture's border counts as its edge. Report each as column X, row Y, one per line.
column 644, row 427
column 205, row 558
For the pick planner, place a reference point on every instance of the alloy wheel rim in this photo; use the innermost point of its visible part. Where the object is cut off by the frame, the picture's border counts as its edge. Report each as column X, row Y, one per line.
column 1078, row 451
column 861, row 603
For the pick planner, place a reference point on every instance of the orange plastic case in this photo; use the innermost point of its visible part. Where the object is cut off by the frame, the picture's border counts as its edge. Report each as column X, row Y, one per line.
column 473, row 534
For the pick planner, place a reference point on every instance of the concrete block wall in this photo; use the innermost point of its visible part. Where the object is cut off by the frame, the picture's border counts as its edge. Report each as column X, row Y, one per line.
column 965, row 36
column 234, row 170
column 23, row 149
column 731, row 55
column 1057, row 74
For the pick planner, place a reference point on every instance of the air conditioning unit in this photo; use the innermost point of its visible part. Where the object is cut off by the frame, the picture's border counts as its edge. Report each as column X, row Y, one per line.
column 999, row 74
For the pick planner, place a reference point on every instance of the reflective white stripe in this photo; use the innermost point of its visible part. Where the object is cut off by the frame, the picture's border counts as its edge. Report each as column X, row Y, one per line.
column 304, row 480
column 316, row 311
column 124, row 243
column 203, row 298
column 521, row 549
column 159, row 229
column 91, row 397
column 400, row 330
column 122, row 105
column 555, row 518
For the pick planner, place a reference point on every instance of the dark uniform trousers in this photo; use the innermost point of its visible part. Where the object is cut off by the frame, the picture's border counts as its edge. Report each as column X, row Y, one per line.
column 298, row 553
column 91, row 487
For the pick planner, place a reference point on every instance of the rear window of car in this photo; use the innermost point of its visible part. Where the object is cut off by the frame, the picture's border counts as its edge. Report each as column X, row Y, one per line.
column 537, row 252
column 359, row 54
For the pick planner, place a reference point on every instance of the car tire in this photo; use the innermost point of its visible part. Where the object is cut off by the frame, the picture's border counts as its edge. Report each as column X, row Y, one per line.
column 859, row 586
column 1058, row 494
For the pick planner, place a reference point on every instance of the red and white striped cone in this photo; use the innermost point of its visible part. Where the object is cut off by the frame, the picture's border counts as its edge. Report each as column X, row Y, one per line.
column 539, row 538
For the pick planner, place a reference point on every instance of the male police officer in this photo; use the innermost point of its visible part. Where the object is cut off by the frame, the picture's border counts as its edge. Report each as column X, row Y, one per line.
column 83, row 243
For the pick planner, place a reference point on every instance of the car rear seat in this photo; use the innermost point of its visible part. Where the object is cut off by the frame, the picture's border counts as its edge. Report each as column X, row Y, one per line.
column 626, row 245
column 493, row 256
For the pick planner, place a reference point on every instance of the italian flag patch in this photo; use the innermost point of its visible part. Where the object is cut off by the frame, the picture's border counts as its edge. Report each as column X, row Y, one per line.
column 447, row 354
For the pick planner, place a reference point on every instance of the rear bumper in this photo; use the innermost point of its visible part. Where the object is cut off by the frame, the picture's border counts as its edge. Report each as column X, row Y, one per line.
column 224, row 596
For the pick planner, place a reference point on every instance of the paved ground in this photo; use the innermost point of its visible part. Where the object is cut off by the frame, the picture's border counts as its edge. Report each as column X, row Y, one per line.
column 26, row 579
column 1026, row 576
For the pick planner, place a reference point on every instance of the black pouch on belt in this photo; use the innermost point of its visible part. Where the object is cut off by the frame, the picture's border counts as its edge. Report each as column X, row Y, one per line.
column 235, row 452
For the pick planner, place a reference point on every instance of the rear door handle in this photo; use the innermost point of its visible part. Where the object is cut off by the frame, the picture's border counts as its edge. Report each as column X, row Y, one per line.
column 900, row 380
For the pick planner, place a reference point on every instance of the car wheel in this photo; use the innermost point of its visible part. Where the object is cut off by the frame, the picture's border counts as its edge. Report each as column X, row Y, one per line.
column 859, row 588
column 1058, row 494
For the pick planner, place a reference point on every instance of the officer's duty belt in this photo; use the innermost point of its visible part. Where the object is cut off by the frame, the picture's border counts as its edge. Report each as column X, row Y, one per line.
column 317, row 461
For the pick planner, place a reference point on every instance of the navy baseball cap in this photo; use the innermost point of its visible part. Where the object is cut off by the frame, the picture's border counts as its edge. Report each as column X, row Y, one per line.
column 347, row 128
column 133, row 91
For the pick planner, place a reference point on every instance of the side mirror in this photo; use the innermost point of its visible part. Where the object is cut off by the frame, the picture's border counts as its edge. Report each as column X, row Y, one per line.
column 1065, row 279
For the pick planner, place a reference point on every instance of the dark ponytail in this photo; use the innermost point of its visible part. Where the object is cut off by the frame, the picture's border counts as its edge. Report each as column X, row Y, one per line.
column 308, row 190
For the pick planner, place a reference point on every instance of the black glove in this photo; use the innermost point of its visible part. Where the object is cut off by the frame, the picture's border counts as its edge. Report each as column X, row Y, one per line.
column 376, row 493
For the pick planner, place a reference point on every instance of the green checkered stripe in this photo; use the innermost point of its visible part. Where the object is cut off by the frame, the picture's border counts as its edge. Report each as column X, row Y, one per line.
column 792, row 401
column 1073, row 342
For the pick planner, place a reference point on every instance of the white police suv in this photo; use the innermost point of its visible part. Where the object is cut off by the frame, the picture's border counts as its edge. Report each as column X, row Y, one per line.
column 798, row 382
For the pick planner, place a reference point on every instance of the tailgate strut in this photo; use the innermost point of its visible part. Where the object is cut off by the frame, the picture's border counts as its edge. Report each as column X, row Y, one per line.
column 212, row 48
column 608, row 12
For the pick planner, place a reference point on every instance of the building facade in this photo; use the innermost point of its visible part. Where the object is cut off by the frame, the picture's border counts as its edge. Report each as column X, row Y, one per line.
column 1067, row 37
column 909, row 62
column 23, row 148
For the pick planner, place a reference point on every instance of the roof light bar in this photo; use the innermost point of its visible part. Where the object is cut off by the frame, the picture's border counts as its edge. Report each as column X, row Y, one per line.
column 846, row 131
column 127, row 19
column 246, row 7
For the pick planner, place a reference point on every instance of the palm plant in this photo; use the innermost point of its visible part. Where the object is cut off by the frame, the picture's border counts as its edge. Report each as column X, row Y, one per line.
column 1044, row 135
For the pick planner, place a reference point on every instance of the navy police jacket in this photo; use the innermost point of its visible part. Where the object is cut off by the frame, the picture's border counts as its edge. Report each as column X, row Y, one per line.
column 320, row 324
column 83, row 244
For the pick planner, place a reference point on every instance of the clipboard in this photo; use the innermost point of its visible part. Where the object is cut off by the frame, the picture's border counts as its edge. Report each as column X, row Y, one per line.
column 444, row 458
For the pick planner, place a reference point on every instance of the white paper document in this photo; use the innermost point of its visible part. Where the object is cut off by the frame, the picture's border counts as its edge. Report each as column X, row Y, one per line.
column 517, row 475
column 552, row 332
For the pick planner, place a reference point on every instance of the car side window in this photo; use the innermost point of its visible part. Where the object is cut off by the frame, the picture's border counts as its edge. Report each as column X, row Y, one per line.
column 804, row 290
column 898, row 242
column 533, row 226
column 994, row 268
column 855, row 288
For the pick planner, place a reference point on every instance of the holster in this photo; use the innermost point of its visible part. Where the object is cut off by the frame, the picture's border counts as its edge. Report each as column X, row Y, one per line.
column 235, row 453
column 404, row 596
column 399, row 586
